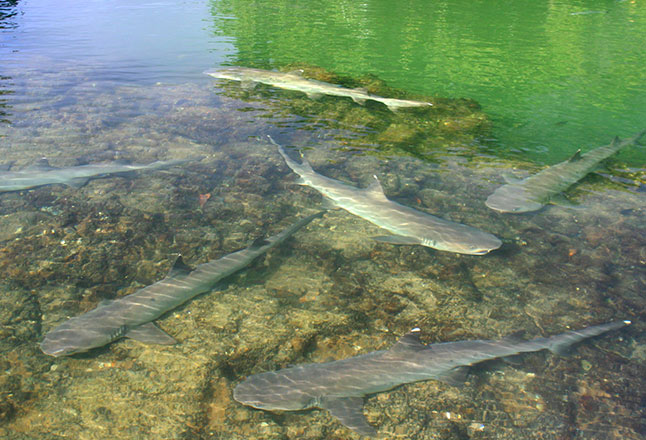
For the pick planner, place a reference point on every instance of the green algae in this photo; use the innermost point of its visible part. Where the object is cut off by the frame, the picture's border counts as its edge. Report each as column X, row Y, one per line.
column 417, row 132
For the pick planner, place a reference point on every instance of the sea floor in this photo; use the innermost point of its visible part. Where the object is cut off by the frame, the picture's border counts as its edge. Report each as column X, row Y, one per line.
column 329, row 292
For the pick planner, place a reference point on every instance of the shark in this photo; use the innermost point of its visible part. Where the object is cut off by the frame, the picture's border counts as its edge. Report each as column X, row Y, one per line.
column 532, row 193
column 312, row 88
column 132, row 316
column 42, row 173
column 408, row 226
column 340, row 386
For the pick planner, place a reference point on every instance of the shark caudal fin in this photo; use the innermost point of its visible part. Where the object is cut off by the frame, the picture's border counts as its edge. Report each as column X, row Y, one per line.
column 638, row 137
column 561, row 344
column 299, row 169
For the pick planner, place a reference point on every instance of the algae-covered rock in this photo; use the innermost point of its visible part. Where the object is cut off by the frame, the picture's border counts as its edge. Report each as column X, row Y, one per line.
column 417, row 132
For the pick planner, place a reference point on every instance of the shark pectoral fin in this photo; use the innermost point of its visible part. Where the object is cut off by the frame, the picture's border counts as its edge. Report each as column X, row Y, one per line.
column 455, row 377
column 248, row 85
column 179, row 268
column 561, row 200
column 360, row 101
column 314, row 95
column 349, row 411
column 396, row 239
column 78, row 182
column 329, row 203
column 149, row 333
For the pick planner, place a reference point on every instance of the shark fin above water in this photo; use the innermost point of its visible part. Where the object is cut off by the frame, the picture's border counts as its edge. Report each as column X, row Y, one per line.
column 349, row 411
column 149, row 333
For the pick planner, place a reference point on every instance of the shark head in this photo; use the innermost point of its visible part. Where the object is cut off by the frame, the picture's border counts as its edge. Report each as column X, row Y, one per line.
column 513, row 199
column 231, row 73
column 67, row 340
column 472, row 242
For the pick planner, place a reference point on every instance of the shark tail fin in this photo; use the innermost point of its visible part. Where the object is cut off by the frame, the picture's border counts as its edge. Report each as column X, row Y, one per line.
column 561, row 344
column 638, row 137
column 303, row 166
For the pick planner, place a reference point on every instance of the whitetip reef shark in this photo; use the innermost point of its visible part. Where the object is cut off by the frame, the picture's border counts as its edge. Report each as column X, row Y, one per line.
column 534, row 192
column 408, row 225
column 42, row 173
column 132, row 316
column 312, row 88
column 340, row 386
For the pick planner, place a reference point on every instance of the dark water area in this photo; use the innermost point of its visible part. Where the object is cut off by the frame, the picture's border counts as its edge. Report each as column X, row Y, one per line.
column 516, row 86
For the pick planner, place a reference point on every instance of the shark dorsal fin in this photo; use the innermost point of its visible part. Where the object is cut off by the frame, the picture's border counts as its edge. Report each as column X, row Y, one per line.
column 514, row 338
column 41, row 164
column 375, row 189
column 576, row 156
column 349, row 411
column 7, row 166
column 179, row 268
column 408, row 342
column 258, row 243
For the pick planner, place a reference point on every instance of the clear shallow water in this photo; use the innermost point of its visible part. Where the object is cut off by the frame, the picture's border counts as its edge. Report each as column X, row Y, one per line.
column 553, row 76
column 107, row 80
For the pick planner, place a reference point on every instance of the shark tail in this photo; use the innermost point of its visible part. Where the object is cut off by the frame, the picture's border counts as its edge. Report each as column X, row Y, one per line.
column 162, row 164
column 300, row 169
column 561, row 344
column 638, row 137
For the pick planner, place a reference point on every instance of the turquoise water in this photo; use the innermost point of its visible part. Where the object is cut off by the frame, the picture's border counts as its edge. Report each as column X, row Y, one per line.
column 517, row 85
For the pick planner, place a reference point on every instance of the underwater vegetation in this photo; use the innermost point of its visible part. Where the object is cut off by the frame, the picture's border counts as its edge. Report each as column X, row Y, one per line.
column 418, row 132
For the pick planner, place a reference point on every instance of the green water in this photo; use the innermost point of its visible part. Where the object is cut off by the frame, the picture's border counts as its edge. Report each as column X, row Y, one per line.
column 553, row 76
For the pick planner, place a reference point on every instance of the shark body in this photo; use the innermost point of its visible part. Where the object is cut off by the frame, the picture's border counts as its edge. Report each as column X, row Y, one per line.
column 312, row 88
column 132, row 316
column 408, row 225
column 534, row 192
column 42, row 173
column 340, row 386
